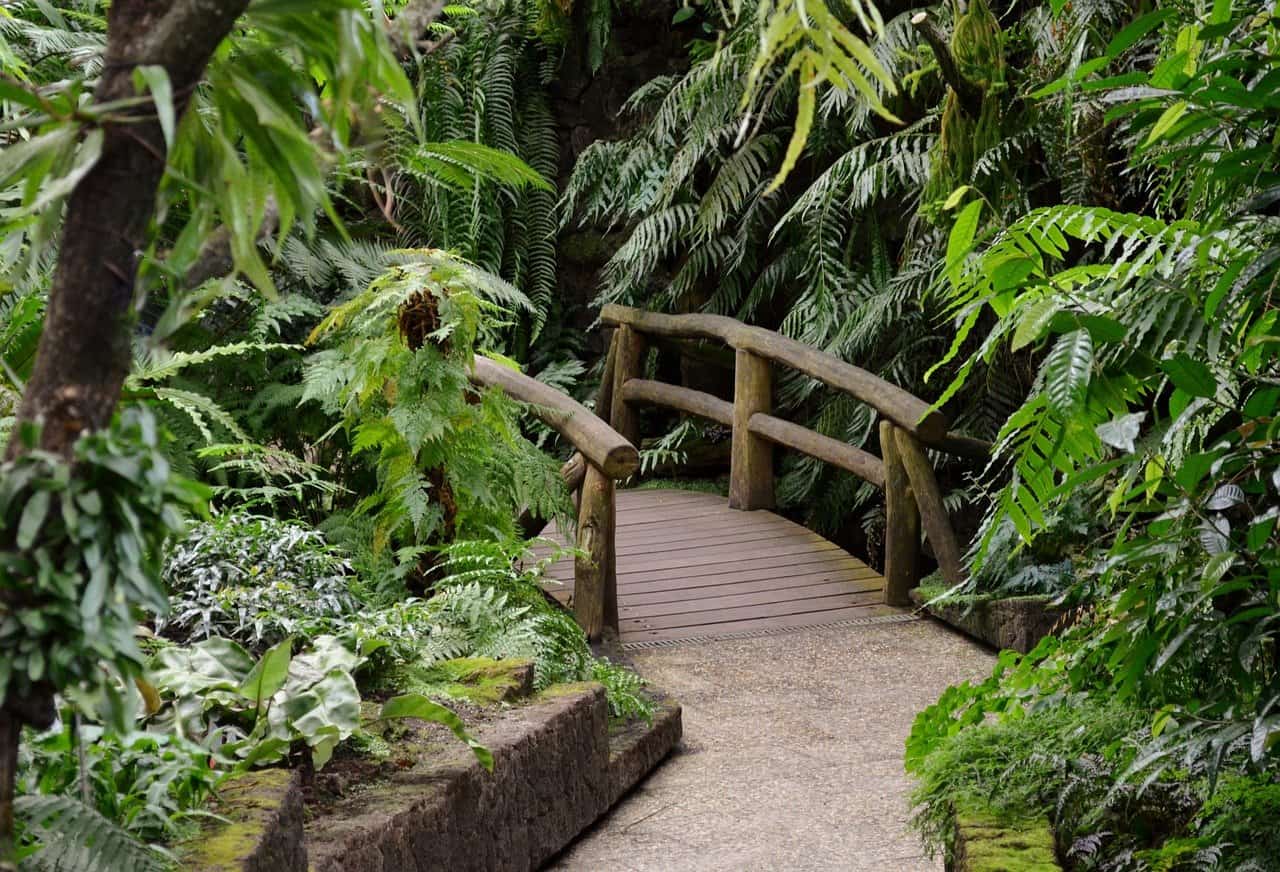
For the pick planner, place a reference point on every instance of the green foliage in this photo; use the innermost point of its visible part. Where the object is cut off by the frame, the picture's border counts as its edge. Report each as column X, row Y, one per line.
column 147, row 782
column 283, row 75
column 75, row 838
column 1016, row 767
column 255, row 580
column 447, row 461
column 485, row 608
column 81, row 556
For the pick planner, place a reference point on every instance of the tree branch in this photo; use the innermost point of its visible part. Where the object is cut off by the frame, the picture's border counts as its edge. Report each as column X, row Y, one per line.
column 969, row 94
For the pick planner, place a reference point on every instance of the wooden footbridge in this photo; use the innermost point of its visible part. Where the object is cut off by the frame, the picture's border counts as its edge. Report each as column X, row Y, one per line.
column 655, row 566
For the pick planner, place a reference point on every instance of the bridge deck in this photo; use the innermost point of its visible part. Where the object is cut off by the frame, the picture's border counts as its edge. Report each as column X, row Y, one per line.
column 691, row 567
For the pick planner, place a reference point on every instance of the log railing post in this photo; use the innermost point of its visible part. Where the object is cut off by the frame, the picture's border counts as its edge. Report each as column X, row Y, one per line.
column 595, row 585
column 628, row 363
column 751, row 465
column 901, row 522
column 933, row 513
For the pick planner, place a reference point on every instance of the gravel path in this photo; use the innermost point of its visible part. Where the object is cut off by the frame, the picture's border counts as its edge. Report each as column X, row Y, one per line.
column 792, row 754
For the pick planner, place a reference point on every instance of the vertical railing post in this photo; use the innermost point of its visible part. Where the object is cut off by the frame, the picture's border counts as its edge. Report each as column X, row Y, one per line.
column 628, row 364
column 595, row 579
column 933, row 513
column 751, row 464
column 901, row 522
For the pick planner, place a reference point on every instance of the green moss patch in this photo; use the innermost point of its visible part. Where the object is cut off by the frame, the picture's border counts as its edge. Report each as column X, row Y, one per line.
column 985, row 843
column 480, row 681
column 249, row 802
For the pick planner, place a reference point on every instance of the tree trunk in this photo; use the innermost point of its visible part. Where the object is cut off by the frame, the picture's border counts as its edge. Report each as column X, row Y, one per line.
column 83, row 357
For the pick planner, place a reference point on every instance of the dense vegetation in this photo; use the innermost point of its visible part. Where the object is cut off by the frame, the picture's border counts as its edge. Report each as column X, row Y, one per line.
column 1058, row 220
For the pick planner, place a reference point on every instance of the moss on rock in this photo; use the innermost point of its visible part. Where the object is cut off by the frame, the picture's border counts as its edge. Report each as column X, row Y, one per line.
column 481, row 681
column 984, row 843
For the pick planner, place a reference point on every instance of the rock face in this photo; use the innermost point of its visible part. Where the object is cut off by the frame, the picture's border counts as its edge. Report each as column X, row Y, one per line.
column 548, row 784
column 1018, row 623
column 558, row 767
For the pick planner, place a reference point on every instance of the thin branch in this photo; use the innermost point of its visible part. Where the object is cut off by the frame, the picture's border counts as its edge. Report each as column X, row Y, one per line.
column 969, row 94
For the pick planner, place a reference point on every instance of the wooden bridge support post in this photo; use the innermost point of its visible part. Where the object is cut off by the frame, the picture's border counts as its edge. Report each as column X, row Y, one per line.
column 901, row 522
column 595, row 585
column 628, row 363
column 937, row 526
column 751, row 466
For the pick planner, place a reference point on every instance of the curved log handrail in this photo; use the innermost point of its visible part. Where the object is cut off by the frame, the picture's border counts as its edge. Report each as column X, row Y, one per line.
column 907, row 410
column 704, row 405
column 599, row 443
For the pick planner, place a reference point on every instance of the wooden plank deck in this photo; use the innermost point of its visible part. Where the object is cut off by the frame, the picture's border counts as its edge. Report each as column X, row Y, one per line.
column 691, row 567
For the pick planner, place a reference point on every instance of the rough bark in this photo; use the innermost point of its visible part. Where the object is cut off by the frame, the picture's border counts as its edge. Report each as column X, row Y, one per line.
column 83, row 356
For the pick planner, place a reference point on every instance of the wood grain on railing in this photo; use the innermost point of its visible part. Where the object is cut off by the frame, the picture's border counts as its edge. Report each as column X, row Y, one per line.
column 901, row 523
column 599, row 443
column 933, row 513
column 910, row 412
column 656, row 393
column 861, row 463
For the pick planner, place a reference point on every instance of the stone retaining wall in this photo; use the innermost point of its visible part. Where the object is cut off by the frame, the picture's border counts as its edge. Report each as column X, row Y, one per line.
column 556, row 770
column 1018, row 623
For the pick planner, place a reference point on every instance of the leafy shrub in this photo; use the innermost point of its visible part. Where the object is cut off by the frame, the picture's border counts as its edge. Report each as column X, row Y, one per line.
column 265, row 710
column 145, row 781
column 79, row 554
column 255, row 580
column 1016, row 767
column 485, row 608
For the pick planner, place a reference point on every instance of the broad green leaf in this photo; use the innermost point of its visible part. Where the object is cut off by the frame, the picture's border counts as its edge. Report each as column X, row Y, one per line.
column 1190, row 375
column 1034, row 322
column 268, row 674
column 961, row 240
column 32, row 519
column 1167, row 119
column 956, row 196
column 1139, row 28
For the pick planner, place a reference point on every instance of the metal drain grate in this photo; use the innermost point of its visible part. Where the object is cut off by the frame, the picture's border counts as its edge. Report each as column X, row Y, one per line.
column 770, row 631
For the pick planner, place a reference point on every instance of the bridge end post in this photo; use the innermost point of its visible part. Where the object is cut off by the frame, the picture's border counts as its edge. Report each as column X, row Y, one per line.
column 595, row 580
column 751, row 463
column 901, row 522
column 628, row 351
column 933, row 512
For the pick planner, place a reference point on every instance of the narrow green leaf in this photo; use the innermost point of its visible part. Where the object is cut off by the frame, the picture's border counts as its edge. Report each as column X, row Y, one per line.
column 1068, row 369
column 156, row 78
column 415, row 705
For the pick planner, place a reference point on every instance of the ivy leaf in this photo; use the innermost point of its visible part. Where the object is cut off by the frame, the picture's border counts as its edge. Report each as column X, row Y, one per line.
column 1068, row 370
column 1189, row 374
